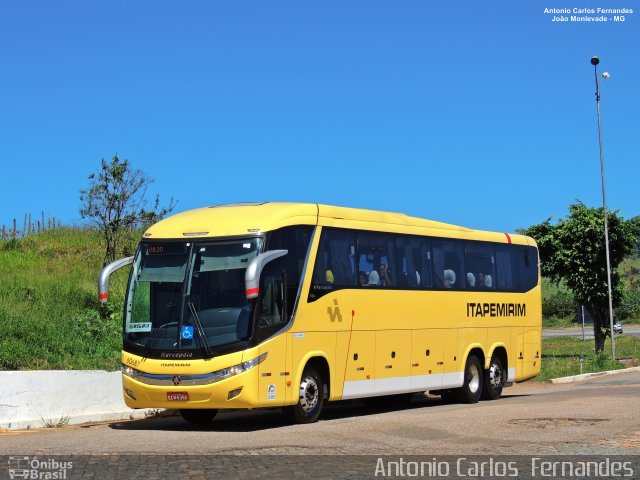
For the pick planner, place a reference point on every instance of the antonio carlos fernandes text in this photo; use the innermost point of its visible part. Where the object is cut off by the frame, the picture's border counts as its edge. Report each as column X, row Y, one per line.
column 464, row 467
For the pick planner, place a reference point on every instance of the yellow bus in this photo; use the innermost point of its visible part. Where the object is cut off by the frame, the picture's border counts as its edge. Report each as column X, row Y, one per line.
column 292, row 305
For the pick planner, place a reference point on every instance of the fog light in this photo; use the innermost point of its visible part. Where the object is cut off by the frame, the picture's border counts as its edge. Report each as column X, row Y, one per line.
column 234, row 393
column 130, row 394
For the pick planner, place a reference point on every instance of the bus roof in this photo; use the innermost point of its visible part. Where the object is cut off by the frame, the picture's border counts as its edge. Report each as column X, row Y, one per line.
column 250, row 218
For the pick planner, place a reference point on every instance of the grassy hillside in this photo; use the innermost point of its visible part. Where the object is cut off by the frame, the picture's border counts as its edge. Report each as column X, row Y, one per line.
column 50, row 317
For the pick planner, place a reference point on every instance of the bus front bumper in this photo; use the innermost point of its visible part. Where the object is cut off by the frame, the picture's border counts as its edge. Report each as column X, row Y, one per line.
column 235, row 392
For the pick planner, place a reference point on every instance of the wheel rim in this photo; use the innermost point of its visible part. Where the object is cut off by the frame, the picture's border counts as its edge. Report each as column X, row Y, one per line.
column 473, row 378
column 495, row 377
column 308, row 394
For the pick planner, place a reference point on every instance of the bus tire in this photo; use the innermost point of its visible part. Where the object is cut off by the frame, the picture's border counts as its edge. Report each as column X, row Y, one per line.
column 198, row 416
column 495, row 377
column 471, row 389
column 310, row 398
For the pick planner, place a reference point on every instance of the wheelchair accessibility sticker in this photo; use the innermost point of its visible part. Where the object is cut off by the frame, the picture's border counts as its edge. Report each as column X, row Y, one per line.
column 187, row 332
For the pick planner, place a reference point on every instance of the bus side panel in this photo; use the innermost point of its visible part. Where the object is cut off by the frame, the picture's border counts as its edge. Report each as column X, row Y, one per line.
column 532, row 341
column 472, row 337
column 272, row 372
column 359, row 375
column 518, row 352
column 305, row 346
column 497, row 337
column 427, row 359
column 340, row 365
column 392, row 364
column 453, row 364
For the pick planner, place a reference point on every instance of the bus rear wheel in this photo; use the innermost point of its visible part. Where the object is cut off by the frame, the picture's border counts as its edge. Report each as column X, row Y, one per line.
column 310, row 399
column 471, row 389
column 198, row 416
column 495, row 378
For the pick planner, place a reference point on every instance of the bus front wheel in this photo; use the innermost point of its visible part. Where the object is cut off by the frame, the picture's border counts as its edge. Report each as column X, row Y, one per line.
column 310, row 399
column 473, row 379
column 198, row 416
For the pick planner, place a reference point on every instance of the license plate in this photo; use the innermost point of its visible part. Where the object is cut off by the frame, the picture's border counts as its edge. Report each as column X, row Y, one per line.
column 177, row 396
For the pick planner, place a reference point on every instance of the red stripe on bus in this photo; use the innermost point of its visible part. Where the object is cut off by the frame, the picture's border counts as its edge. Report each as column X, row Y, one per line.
column 508, row 237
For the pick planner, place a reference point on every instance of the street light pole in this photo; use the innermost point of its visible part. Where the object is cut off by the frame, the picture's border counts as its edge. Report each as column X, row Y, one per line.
column 595, row 61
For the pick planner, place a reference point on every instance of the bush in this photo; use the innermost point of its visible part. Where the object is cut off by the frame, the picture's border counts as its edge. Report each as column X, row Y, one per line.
column 558, row 304
column 629, row 308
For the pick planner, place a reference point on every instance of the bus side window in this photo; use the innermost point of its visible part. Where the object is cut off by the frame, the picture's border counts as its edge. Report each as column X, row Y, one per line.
column 341, row 264
column 505, row 267
column 479, row 262
column 414, row 262
column 335, row 263
column 295, row 240
column 405, row 263
column 374, row 250
column 528, row 268
column 425, row 268
column 272, row 310
column 448, row 264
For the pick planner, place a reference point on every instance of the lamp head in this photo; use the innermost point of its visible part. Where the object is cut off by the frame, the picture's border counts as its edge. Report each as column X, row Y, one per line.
column 595, row 61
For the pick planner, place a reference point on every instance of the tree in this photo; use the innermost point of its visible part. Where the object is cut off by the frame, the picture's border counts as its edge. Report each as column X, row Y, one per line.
column 115, row 202
column 573, row 250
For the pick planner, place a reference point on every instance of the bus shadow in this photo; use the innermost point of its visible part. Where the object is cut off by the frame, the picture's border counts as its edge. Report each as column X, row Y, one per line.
column 228, row 421
column 244, row 421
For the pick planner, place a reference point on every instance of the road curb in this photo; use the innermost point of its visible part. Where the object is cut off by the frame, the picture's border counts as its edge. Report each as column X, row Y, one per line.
column 586, row 376
column 41, row 398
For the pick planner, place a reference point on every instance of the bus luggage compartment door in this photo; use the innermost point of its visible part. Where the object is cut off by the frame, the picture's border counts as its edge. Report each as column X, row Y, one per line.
column 359, row 375
column 427, row 359
column 393, row 362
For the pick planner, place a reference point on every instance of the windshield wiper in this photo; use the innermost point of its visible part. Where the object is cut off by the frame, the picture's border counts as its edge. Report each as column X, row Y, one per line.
column 200, row 329
column 154, row 337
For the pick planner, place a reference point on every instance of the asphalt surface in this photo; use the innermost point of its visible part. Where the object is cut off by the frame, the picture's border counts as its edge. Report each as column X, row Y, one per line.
column 595, row 417
column 533, row 426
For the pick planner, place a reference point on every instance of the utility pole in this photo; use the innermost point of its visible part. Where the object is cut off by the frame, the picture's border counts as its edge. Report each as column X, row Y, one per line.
column 595, row 61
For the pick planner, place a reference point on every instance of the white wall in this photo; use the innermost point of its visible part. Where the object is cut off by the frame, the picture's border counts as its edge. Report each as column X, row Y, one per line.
column 29, row 399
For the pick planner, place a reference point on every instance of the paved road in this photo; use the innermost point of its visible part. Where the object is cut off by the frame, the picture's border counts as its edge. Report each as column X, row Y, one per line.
column 588, row 330
column 597, row 417
column 596, row 420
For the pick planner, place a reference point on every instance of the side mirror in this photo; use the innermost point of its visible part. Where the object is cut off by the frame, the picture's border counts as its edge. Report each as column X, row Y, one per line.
column 105, row 273
column 254, row 269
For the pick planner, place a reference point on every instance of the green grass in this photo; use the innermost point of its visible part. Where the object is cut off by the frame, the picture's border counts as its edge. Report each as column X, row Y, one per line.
column 561, row 356
column 556, row 322
column 50, row 317
column 59, row 422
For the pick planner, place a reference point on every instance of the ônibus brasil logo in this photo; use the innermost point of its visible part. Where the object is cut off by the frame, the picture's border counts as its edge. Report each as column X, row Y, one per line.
column 36, row 469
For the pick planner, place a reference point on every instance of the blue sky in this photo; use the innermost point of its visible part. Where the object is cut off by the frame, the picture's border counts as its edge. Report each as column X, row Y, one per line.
column 481, row 114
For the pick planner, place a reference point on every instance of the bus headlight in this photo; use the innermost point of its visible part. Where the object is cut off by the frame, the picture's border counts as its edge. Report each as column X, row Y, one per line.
column 240, row 368
column 130, row 372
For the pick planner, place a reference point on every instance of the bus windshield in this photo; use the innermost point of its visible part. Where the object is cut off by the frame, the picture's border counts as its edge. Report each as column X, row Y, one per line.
column 186, row 296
